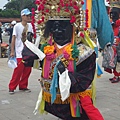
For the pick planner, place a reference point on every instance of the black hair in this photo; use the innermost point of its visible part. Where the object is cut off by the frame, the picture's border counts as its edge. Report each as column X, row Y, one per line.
column 114, row 13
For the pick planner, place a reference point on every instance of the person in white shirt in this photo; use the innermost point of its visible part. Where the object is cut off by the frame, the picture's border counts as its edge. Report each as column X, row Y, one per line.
column 21, row 73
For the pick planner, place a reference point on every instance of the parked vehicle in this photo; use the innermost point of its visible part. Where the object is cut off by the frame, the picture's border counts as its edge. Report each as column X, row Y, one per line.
column 4, row 26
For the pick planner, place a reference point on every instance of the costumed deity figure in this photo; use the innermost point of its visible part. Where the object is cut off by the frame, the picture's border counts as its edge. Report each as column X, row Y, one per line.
column 69, row 66
column 115, row 21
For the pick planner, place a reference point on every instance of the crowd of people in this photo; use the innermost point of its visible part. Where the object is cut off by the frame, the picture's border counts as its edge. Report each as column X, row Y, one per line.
column 68, row 54
column 10, row 30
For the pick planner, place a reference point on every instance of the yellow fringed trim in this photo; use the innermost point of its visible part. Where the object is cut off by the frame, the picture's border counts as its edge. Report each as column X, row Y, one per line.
column 47, row 97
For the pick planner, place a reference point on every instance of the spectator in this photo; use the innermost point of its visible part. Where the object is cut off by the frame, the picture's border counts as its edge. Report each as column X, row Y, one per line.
column 10, row 30
column 21, row 73
column 115, row 15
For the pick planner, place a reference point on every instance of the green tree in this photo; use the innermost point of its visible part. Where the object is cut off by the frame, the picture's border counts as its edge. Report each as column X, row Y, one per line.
column 20, row 4
column 7, row 13
column 13, row 7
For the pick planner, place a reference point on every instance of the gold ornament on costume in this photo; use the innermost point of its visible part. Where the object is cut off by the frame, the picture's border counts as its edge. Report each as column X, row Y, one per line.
column 92, row 34
column 60, row 10
column 115, row 3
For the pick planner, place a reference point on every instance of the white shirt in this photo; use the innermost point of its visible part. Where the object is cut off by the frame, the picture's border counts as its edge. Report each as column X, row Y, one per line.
column 17, row 31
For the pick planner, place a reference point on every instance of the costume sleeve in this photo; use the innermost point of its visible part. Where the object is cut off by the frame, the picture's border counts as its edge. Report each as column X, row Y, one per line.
column 84, row 75
column 101, row 22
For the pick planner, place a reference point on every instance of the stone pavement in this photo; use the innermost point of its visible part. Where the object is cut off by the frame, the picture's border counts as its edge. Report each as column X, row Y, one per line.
column 20, row 106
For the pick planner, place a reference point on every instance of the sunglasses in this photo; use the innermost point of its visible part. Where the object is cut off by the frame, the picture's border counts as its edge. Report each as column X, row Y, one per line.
column 27, row 15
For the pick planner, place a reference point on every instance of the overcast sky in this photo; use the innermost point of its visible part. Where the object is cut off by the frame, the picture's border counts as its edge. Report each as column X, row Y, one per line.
column 2, row 3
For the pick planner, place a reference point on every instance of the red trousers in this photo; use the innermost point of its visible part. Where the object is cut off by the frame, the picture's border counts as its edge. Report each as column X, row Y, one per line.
column 20, row 76
column 92, row 112
column 116, row 73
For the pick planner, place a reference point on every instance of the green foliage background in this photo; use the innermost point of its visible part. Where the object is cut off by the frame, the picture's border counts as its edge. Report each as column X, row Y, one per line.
column 13, row 8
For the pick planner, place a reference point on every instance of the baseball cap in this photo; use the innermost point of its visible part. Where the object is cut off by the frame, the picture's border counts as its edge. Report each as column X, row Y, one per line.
column 25, row 12
column 13, row 22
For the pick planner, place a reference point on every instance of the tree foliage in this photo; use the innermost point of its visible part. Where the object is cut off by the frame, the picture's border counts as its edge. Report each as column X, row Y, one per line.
column 13, row 7
column 9, row 13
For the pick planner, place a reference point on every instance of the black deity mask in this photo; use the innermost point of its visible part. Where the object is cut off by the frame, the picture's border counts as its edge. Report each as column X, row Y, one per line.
column 61, row 31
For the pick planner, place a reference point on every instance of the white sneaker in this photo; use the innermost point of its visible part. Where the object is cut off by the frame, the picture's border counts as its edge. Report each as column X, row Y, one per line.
column 11, row 92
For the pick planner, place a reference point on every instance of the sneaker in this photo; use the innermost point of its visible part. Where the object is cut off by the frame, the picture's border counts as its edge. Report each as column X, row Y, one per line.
column 25, row 89
column 115, row 80
column 112, row 78
column 11, row 91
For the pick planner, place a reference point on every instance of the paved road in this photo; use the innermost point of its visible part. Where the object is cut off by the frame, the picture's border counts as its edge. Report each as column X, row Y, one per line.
column 21, row 105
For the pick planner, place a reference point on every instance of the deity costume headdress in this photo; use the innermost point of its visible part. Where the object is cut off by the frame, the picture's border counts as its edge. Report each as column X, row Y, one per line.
column 62, row 10
column 114, row 3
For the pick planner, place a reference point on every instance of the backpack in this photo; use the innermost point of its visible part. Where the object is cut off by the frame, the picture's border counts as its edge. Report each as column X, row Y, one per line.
column 27, row 55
